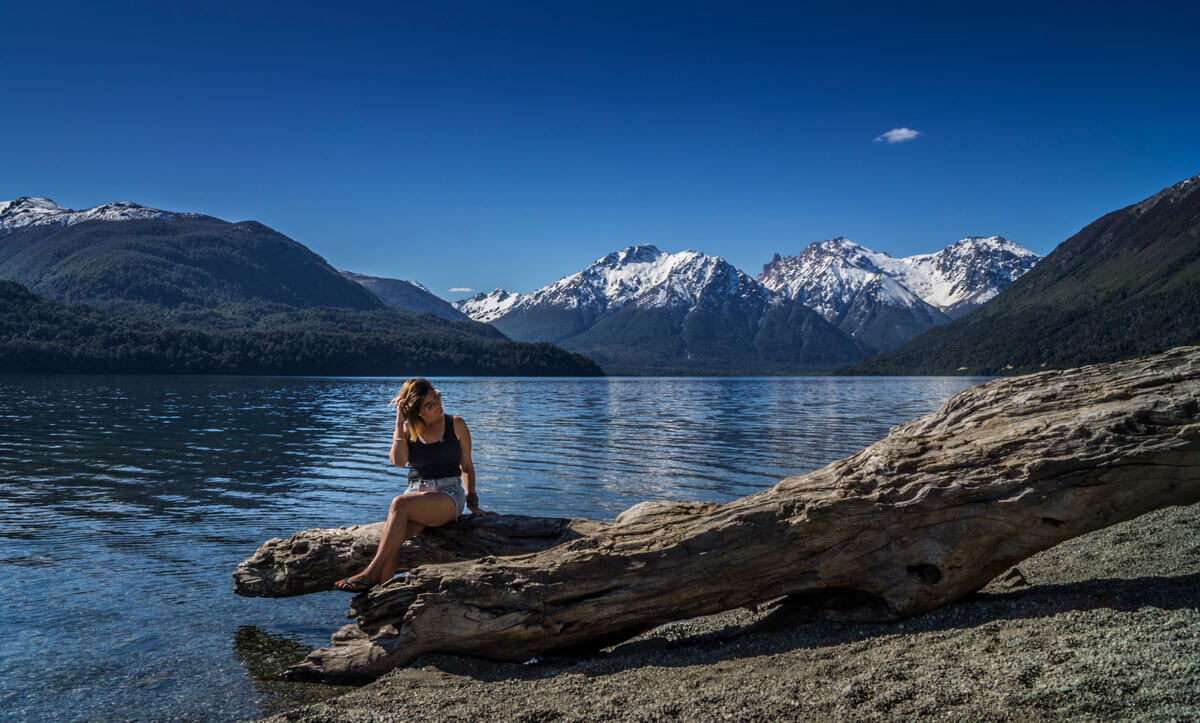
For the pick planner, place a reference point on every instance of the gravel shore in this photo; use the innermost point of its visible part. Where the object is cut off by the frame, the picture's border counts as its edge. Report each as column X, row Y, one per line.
column 1108, row 628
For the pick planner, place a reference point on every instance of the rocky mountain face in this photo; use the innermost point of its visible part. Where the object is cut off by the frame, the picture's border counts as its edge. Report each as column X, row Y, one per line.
column 1127, row 284
column 408, row 295
column 640, row 310
column 884, row 301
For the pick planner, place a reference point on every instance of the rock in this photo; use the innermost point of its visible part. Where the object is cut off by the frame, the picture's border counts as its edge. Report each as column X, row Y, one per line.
column 1011, row 580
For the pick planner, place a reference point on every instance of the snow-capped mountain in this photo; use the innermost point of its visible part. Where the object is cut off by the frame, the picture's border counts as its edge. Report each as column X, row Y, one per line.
column 488, row 307
column 644, row 276
column 636, row 276
column 966, row 273
column 642, row 309
column 828, row 275
column 885, row 301
column 27, row 211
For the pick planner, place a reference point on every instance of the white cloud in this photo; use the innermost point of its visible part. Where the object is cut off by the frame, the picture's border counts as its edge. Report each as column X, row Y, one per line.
column 898, row 135
column 461, row 290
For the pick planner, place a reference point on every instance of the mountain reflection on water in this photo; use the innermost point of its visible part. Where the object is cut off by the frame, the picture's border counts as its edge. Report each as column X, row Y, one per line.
column 127, row 502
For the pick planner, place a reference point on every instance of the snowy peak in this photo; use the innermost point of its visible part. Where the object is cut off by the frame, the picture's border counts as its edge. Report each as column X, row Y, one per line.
column 645, row 277
column 843, row 248
column 828, row 274
column 612, row 281
column 118, row 211
column 884, row 301
column 967, row 273
column 991, row 244
column 28, row 211
column 975, row 249
column 636, row 276
column 488, row 307
column 640, row 254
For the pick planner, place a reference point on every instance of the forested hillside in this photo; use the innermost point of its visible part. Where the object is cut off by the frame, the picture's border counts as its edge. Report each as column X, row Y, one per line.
column 42, row 336
column 1127, row 284
column 185, row 293
column 171, row 268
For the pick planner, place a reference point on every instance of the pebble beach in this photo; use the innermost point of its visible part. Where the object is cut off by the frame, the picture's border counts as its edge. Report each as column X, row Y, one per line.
column 1107, row 627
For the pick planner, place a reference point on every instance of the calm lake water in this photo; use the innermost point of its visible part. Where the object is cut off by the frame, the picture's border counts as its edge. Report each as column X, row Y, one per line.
column 126, row 503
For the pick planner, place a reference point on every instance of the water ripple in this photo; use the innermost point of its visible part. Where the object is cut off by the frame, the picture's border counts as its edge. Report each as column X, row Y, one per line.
column 128, row 501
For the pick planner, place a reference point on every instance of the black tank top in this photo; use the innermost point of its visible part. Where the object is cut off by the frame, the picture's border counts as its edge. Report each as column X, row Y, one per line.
column 437, row 460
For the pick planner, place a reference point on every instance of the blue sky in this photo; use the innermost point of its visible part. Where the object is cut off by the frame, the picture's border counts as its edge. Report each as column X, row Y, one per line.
column 484, row 144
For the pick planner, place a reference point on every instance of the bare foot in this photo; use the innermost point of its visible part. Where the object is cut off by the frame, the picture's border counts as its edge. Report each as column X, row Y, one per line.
column 356, row 584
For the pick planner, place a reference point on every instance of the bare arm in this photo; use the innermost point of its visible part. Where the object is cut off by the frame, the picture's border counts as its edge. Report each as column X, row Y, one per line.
column 399, row 454
column 468, row 466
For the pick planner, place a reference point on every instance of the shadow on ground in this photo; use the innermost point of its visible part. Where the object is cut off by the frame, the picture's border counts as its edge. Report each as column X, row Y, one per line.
column 776, row 631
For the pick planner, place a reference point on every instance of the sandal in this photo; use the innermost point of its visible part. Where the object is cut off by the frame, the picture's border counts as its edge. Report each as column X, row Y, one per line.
column 360, row 586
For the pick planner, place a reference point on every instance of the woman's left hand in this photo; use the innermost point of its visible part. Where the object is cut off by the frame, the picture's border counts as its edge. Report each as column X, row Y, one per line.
column 473, row 505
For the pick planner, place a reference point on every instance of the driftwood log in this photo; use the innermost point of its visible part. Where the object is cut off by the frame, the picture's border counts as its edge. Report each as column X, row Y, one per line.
column 927, row 515
column 311, row 560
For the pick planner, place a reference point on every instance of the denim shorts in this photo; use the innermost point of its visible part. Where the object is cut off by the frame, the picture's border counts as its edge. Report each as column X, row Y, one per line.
column 449, row 486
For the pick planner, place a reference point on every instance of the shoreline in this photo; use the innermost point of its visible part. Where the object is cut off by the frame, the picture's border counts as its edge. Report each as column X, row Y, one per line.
column 1108, row 627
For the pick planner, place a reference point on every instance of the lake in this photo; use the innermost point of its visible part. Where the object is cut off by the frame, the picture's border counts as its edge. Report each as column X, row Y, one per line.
column 126, row 502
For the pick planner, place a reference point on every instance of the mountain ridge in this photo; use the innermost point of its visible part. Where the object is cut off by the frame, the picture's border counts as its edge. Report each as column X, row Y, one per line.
column 203, row 283
column 884, row 301
column 641, row 310
column 410, row 296
column 174, row 266
column 864, row 293
column 1126, row 284
column 29, row 211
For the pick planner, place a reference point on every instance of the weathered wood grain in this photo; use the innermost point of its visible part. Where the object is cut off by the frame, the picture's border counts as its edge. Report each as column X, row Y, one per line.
column 311, row 560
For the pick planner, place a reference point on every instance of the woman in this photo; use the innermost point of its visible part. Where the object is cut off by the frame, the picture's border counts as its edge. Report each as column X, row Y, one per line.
column 437, row 449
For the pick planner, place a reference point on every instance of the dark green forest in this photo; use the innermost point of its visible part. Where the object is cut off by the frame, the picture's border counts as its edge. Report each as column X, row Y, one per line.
column 727, row 339
column 42, row 336
column 198, row 295
column 1049, row 337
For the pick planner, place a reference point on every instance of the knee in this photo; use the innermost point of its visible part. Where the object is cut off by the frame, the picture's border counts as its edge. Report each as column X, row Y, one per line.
column 399, row 506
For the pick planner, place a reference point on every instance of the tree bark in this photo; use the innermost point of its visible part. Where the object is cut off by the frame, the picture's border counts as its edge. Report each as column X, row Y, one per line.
column 931, row 513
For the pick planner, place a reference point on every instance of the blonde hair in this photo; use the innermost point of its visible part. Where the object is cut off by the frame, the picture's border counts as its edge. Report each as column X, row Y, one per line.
column 408, row 401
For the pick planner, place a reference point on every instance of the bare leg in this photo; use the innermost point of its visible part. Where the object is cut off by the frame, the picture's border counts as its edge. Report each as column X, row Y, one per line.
column 388, row 567
column 407, row 515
